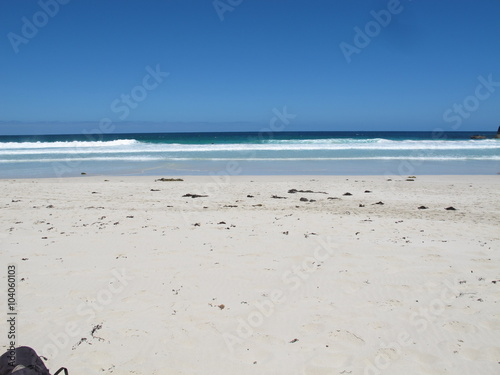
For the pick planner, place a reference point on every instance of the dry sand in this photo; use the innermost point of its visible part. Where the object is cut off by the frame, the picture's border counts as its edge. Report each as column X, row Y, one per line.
column 127, row 276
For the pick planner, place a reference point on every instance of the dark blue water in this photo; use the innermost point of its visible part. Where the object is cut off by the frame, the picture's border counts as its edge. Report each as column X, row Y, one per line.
column 244, row 137
column 263, row 152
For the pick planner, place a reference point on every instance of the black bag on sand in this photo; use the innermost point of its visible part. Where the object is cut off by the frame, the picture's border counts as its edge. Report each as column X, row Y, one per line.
column 27, row 362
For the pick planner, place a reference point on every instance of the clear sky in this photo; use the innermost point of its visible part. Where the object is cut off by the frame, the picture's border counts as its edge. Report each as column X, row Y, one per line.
column 203, row 65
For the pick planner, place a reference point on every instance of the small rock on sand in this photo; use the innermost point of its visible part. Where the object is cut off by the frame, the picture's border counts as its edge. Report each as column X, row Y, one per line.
column 194, row 195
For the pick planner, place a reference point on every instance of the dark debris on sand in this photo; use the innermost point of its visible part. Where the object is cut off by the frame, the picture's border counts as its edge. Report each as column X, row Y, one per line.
column 194, row 196
column 293, row 191
column 163, row 179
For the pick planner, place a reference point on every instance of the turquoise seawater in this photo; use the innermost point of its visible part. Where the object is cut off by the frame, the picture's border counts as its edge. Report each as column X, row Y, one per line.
column 280, row 153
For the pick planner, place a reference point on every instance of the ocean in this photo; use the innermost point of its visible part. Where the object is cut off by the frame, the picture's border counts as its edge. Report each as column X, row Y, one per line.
column 255, row 153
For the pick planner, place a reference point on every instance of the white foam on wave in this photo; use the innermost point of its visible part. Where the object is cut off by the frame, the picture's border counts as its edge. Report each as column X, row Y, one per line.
column 133, row 146
column 153, row 158
column 69, row 144
column 430, row 158
column 326, row 141
column 62, row 160
column 383, row 144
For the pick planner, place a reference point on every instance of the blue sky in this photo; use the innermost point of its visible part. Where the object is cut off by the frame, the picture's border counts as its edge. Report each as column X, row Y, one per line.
column 225, row 65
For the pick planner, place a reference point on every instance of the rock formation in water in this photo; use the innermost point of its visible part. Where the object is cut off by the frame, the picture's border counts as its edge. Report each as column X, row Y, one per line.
column 478, row 136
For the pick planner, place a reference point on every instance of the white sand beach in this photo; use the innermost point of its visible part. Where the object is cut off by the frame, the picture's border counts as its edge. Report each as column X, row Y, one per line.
column 126, row 275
